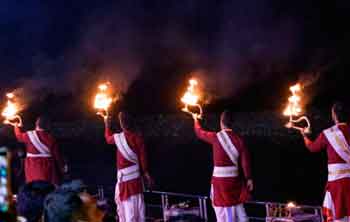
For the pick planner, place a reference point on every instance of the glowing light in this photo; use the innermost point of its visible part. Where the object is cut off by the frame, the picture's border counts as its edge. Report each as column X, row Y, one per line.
column 293, row 107
column 291, row 205
column 191, row 97
column 102, row 99
column 11, row 109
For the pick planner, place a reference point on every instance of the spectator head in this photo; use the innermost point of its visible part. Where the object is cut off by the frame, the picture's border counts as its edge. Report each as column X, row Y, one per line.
column 43, row 122
column 30, row 200
column 71, row 203
column 226, row 120
column 76, row 186
column 340, row 113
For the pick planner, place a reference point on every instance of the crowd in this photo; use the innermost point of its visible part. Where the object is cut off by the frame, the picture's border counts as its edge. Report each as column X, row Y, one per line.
column 41, row 201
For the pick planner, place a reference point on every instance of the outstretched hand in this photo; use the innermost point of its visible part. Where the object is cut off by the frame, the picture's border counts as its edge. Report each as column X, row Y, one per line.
column 16, row 122
column 103, row 114
column 195, row 116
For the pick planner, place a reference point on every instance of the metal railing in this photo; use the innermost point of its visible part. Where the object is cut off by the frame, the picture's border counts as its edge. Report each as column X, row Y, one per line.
column 165, row 203
column 288, row 213
column 273, row 211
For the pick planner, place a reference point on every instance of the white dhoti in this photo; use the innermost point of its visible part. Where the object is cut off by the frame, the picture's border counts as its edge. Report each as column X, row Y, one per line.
column 231, row 214
column 132, row 209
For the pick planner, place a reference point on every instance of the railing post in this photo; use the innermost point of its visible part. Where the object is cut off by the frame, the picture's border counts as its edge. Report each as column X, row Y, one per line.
column 201, row 213
column 163, row 206
column 205, row 209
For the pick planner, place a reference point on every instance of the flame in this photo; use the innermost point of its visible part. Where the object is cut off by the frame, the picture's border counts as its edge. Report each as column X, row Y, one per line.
column 293, row 108
column 10, row 95
column 190, row 97
column 291, row 205
column 11, row 110
column 103, row 87
column 102, row 99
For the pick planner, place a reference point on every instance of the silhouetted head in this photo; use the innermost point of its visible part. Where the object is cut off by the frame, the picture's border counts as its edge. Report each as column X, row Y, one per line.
column 43, row 123
column 340, row 113
column 30, row 200
column 71, row 203
column 125, row 121
column 226, row 120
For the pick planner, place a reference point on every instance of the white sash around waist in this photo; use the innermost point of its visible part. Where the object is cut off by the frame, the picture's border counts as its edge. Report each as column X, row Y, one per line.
column 38, row 155
column 129, row 173
column 225, row 171
column 338, row 171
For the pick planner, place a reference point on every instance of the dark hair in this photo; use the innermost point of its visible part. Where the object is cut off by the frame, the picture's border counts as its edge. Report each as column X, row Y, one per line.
column 44, row 122
column 75, row 186
column 341, row 111
column 63, row 204
column 30, row 200
column 227, row 118
column 126, row 121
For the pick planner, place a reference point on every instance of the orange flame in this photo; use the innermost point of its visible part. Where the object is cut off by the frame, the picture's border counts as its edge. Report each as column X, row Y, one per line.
column 190, row 97
column 293, row 107
column 102, row 99
column 291, row 205
column 11, row 110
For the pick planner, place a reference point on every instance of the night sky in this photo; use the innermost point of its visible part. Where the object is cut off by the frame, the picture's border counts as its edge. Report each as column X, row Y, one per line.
column 148, row 49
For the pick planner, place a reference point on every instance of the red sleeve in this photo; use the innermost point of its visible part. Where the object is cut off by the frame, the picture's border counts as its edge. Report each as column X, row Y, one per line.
column 57, row 156
column 109, row 136
column 245, row 161
column 206, row 136
column 143, row 155
column 20, row 135
column 318, row 145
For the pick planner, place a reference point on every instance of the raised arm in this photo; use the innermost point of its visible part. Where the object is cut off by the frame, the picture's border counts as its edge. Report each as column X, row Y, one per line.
column 202, row 134
column 315, row 146
column 21, row 137
column 108, row 132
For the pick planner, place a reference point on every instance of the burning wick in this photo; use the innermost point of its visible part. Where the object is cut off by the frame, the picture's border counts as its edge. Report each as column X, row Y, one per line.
column 103, row 100
column 291, row 205
column 11, row 110
column 294, row 109
column 190, row 98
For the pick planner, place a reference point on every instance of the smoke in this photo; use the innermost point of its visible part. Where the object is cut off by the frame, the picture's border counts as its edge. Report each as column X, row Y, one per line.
column 248, row 47
column 230, row 46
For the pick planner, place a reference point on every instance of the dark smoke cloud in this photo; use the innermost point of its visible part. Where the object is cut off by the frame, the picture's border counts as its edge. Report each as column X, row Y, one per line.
column 230, row 45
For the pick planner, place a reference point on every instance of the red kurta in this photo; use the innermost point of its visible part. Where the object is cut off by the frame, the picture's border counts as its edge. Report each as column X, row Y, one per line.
column 136, row 143
column 227, row 191
column 42, row 168
column 339, row 189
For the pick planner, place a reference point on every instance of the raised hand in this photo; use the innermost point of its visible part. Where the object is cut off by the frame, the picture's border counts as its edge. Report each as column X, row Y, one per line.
column 103, row 114
column 16, row 121
column 195, row 116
